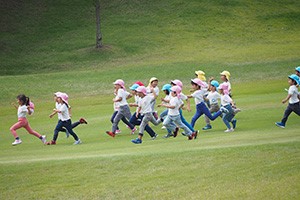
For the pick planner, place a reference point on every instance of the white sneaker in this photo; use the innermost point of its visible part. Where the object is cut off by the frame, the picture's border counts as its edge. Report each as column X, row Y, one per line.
column 118, row 131
column 78, row 142
column 163, row 127
column 133, row 130
column 16, row 142
column 229, row 130
column 44, row 141
column 224, row 110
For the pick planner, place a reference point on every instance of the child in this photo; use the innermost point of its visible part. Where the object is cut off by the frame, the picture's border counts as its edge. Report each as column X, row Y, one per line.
column 292, row 97
column 62, row 110
column 124, row 110
column 199, row 102
column 212, row 97
column 137, row 119
column 145, row 108
column 226, row 102
column 153, row 82
column 75, row 124
column 116, row 109
column 24, row 108
column 174, row 114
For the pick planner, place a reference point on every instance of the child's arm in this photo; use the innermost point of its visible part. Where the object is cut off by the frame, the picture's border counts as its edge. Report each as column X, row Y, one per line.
column 286, row 99
column 70, row 111
column 165, row 105
column 54, row 112
column 14, row 105
column 117, row 100
column 29, row 110
column 133, row 105
column 188, row 105
column 165, row 100
column 154, row 93
column 138, row 110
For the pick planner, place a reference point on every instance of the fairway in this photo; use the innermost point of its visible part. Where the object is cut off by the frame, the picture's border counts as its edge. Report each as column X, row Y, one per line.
column 47, row 47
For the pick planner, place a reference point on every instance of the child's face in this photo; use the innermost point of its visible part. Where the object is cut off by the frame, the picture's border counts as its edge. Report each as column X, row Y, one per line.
column 19, row 102
column 221, row 91
column 290, row 81
column 173, row 94
column 223, row 78
column 117, row 86
column 140, row 94
column 133, row 92
column 59, row 100
column 165, row 91
column 55, row 98
column 195, row 87
column 212, row 88
column 154, row 83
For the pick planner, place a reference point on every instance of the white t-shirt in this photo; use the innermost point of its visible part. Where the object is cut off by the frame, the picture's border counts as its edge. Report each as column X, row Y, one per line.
column 225, row 100
column 293, row 91
column 174, row 101
column 122, row 94
column 198, row 96
column 205, row 88
column 117, row 104
column 183, row 97
column 146, row 104
column 22, row 111
column 64, row 112
column 156, row 90
column 213, row 97
column 167, row 98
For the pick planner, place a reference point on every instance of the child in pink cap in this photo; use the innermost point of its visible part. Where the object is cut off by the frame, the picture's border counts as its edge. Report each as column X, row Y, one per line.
column 23, row 109
column 62, row 110
column 227, row 103
column 124, row 111
column 173, row 118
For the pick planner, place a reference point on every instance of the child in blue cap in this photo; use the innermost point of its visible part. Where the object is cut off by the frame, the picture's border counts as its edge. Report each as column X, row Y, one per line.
column 292, row 97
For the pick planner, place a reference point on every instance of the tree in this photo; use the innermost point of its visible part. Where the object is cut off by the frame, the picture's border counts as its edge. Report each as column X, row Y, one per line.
column 98, row 31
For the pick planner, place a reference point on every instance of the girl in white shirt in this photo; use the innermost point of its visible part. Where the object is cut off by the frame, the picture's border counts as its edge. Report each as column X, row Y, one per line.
column 292, row 98
column 174, row 115
column 24, row 108
column 62, row 110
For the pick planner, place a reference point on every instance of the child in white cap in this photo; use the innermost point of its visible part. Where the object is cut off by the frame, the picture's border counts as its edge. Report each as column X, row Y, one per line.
column 292, row 98
column 145, row 109
column 24, row 108
column 124, row 111
column 62, row 110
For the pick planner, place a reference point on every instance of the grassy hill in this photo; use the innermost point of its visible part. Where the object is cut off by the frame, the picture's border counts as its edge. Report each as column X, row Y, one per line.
column 48, row 46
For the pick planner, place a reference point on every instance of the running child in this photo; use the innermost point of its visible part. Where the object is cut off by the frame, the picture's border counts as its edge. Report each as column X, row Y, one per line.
column 24, row 108
column 153, row 82
column 173, row 118
column 213, row 98
column 75, row 124
column 227, row 103
column 145, row 108
column 62, row 110
column 201, row 108
column 124, row 110
column 292, row 98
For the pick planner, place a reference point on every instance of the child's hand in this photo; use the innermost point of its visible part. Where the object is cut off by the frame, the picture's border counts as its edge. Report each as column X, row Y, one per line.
column 211, row 78
column 283, row 101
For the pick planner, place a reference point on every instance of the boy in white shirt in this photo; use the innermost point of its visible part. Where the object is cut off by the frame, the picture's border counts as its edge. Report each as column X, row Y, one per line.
column 292, row 97
column 145, row 109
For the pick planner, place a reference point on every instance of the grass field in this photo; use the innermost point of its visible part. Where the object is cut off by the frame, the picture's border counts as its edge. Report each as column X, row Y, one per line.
column 48, row 46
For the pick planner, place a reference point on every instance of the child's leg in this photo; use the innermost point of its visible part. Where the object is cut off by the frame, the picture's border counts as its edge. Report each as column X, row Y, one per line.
column 134, row 120
column 296, row 108
column 57, row 129
column 113, row 117
column 286, row 114
column 75, row 124
column 149, row 130
column 179, row 123
column 17, row 126
column 31, row 131
column 125, row 121
column 117, row 119
column 185, row 122
column 202, row 107
column 197, row 114
column 146, row 119
column 213, row 108
column 68, row 126
column 168, row 123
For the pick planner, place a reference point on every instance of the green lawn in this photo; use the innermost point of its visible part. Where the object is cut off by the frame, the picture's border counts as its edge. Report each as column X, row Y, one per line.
column 48, row 46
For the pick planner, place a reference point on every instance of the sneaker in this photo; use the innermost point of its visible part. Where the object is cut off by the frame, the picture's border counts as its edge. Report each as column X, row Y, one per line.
column 168, row 135
column 67, row 133
column 118, row 131
column 137, row 141
column 77, row 142
column 279, row 124
column 175, row 133
column 44, row 141
column 163, row 127
column 229, row 130
column 133, row 130
column 52, row 142
column 16, row 142
column 154, row 137
column 82, row 121
column 224, row 110
column 207, row 127
column 110, row 133
column 233, row 123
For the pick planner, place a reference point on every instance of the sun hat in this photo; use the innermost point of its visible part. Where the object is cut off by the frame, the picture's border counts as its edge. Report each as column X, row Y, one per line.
column 176, row 89
column 64, row 97
column 215, row 83
column 134, row 86
column 142, row 89
column 120, row 82
column 197, row 81
column 57, row 93
column 139, row 83
column 224, row 87
column 226, row 74
column 201, row 75
column 177, row 82
column 152, row 79
column 295, row 78
column 297, row 69
column 167, row 87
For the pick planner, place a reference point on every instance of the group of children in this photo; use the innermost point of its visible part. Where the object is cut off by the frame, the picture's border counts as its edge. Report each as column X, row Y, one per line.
column 206, row 96
column 293, row 98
